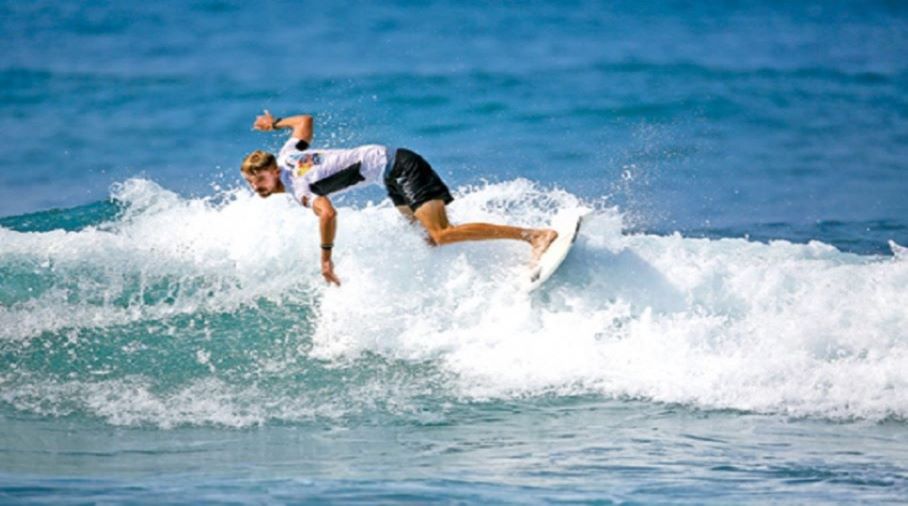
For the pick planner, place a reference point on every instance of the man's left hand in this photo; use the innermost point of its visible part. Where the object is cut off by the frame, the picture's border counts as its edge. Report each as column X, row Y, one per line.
column 328, row 272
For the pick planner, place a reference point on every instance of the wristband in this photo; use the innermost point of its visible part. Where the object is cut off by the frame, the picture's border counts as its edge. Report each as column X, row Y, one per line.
column 328, row 246
column 275, row 122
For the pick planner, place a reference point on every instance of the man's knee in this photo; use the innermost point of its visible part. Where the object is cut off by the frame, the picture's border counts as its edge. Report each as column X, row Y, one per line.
column 437, row 236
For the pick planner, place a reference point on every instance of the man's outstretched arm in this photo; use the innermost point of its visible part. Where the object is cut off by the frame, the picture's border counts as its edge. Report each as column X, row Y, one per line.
column 301, row 125
column 327, row 227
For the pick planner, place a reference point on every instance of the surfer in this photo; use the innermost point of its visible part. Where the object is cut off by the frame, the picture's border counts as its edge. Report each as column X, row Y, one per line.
column 311, row 175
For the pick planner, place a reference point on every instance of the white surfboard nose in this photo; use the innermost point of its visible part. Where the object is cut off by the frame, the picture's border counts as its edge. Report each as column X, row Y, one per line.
column 567, row 224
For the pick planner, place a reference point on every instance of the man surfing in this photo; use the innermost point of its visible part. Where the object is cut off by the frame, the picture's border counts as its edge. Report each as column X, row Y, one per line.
column 312, row 174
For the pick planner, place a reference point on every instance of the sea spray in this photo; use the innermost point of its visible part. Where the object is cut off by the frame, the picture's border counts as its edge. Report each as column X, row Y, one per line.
column 212, row 311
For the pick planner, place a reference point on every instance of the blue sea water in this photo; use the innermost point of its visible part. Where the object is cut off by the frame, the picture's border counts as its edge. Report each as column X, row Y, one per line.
column 731, row 325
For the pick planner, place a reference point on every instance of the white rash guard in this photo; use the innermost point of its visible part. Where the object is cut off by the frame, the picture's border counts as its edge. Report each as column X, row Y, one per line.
column 307, row 173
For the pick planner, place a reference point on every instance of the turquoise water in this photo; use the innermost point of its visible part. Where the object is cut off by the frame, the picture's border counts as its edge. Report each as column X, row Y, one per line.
column 729, row 328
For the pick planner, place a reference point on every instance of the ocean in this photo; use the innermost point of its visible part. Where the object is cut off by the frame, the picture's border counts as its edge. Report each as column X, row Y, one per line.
column 730, row 326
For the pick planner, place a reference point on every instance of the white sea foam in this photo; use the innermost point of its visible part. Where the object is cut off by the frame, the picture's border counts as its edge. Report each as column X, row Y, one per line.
column 801, row 329
column 797, row 329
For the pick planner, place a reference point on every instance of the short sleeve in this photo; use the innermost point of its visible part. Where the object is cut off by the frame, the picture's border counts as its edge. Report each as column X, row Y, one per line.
column 288, row 149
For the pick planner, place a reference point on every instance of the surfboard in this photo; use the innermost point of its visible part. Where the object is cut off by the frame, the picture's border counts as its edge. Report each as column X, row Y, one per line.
column 567, row 224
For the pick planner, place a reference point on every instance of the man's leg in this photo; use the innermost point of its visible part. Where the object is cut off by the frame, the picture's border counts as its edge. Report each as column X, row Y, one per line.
column 407, row 213
column 434, row 218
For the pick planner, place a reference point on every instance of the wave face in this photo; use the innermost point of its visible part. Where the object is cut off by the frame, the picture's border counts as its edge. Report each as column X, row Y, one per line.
column 188, row 311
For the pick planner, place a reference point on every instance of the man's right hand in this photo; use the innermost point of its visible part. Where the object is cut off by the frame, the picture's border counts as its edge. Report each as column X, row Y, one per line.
column 264, row 122
column 328, row 272
column 301, row 125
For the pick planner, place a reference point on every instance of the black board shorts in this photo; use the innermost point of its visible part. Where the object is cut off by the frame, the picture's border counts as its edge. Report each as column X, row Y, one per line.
column 412, row 182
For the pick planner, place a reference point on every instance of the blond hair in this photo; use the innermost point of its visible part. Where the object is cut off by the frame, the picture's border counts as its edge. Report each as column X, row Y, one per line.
column 258, row 161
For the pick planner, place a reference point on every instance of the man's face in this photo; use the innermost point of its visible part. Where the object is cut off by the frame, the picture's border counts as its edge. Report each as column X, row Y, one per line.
column 264, row 182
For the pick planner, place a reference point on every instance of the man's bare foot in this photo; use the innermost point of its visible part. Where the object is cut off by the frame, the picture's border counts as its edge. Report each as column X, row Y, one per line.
column 540, row 240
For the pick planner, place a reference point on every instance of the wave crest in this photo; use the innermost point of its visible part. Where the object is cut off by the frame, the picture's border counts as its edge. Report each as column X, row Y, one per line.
column 181, row 299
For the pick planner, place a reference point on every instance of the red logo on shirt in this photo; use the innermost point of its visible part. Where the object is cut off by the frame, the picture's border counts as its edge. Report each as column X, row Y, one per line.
column 306, row 162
